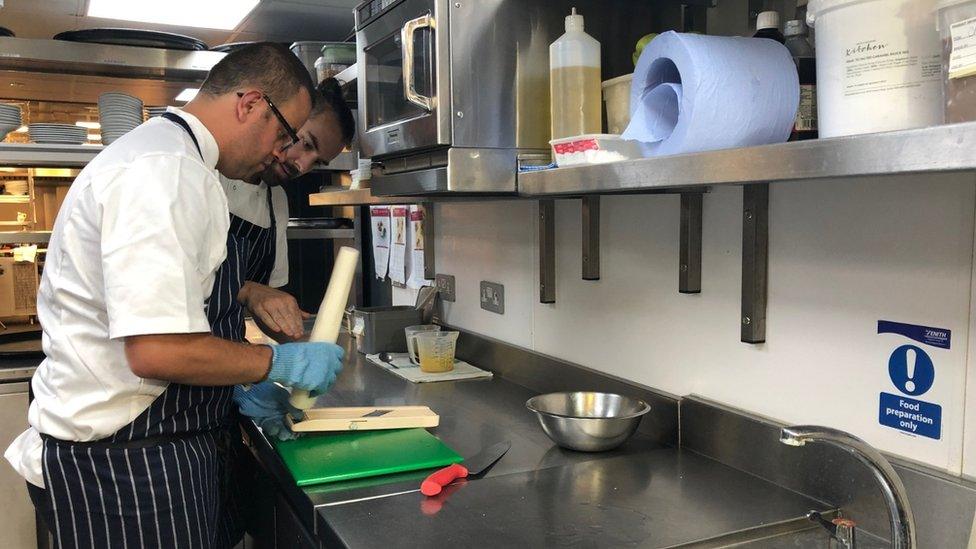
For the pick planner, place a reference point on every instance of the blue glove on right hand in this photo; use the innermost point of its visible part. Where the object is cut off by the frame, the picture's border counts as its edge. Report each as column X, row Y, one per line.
column 309, row 366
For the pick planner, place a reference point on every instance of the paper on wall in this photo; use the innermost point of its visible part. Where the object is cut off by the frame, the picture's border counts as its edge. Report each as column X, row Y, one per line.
column 415, row 233
column 379, row 217
column 398, row 247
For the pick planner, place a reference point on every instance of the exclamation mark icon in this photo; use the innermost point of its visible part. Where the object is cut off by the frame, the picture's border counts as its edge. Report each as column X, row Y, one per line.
column 910, row 357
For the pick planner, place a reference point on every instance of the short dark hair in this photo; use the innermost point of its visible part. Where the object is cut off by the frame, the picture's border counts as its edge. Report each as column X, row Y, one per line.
column 329, row 98
column 268, row 66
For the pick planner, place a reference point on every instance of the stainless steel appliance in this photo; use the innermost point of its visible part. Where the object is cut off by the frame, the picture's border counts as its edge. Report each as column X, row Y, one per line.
column 17, row 520
column 453, row 93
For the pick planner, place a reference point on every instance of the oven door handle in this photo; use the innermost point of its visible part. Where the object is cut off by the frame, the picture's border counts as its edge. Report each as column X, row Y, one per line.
column 407, row 49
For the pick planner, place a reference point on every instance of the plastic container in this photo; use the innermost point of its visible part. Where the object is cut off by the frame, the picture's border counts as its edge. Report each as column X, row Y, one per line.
column 307, row 52
column 616, row 97
column 878, row 65
column 593, row 149
column 956, row 23
column 410, row 333
column 336, row 57
column 380, row 329
column 436, row 351
column 574, row 81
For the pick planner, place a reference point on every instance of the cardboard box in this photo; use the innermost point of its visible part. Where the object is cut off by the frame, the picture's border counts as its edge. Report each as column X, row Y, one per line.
column 18, row 287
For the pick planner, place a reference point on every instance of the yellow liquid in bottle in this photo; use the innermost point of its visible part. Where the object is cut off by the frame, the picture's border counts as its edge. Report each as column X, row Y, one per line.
column 576, row 102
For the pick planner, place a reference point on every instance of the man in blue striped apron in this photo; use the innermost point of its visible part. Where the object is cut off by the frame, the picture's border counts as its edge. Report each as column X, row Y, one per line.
column 261, row 204
column 137, row 390
column 258, row 218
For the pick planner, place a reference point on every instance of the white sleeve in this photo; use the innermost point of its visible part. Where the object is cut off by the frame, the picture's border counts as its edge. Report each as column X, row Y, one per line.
column 160, row 226
column 279, row 201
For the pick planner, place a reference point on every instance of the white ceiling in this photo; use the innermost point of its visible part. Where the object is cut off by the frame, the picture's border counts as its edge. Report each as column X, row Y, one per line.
column 275, row 20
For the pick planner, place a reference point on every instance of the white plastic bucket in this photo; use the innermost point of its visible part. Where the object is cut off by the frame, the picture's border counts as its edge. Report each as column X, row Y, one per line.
column 878, row 65
column 616, row 96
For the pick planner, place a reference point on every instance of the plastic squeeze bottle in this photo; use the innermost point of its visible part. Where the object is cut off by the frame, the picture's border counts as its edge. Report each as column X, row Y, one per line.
column 574, row 81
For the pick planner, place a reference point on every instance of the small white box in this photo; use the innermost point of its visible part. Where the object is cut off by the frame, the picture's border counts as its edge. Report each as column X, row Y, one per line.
column 597, row 148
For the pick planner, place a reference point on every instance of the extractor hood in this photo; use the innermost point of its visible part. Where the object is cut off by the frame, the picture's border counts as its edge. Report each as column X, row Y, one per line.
column 72, row 71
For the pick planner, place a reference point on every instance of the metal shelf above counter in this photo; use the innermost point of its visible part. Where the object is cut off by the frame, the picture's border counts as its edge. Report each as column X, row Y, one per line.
column 39, row 154
column 926, row 150
column 25, row 237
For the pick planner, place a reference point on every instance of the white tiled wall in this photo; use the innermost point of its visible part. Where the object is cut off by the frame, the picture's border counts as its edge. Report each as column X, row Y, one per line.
column 843, row 254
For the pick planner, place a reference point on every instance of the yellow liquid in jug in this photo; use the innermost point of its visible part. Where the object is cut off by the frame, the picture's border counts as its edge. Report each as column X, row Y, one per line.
column 576, row 102
column 436, row 363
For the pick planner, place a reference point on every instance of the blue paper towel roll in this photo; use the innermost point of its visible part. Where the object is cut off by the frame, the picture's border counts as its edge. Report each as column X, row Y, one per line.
column 695, row 93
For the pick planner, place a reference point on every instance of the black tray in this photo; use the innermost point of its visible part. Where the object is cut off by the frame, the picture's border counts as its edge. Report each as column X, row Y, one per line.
column 21, row 342
column 320, row 223
column 230, row 46
column 133, row 37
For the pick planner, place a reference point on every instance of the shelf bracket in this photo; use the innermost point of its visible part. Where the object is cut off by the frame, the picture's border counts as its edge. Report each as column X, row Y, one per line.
column 547, row 251
column 755, row 257
column 690, row 244
column 430, row 269
column 590, row 208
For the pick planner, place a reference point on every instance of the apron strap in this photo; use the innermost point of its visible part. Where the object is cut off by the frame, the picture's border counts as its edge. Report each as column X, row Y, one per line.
column 182, row 123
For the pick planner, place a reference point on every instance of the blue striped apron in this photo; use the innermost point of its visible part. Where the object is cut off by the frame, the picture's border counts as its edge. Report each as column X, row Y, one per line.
column 165, row 480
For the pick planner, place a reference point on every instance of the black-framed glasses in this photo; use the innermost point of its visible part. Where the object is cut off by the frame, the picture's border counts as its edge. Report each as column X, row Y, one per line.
column 284, row 123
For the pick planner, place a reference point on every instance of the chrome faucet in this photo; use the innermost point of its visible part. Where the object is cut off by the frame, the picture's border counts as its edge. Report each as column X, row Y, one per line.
column 899, row 510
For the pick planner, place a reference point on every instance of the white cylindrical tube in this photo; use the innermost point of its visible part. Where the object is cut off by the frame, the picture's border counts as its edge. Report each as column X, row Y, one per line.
column 329, row 319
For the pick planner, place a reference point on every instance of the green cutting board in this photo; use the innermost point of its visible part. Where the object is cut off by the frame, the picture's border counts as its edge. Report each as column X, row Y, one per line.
column 331, row 457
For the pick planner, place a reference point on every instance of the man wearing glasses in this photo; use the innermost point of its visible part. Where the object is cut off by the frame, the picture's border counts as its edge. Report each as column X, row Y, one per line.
column 134, row 405
column 261, row 202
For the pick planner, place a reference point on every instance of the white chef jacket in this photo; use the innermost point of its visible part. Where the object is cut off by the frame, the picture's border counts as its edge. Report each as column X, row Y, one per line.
column 134, row 251
column 250, row 203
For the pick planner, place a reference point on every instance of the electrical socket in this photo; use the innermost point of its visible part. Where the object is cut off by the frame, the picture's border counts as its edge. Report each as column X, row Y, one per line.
column 493, row 297
column 445, row 287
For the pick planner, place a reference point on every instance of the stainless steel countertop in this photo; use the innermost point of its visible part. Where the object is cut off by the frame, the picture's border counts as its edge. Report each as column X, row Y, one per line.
column 537, row 492
column 660, row 498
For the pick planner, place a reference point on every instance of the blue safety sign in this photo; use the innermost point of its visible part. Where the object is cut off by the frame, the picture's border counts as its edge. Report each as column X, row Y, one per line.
column 911, row 370
column 910, row 415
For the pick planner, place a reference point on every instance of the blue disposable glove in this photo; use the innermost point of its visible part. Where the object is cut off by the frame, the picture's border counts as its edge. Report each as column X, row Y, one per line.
column 267, row 404
column 309, row 366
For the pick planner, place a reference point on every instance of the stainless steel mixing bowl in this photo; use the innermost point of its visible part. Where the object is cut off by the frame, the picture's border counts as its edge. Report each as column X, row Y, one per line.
column 586, row 421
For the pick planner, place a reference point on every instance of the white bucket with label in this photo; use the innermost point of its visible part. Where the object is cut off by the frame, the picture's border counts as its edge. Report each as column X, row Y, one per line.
column 878, row 65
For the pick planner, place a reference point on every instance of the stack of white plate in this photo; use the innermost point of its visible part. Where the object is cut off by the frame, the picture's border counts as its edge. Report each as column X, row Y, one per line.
column 58, row 133
column 118, row 114
column 16, row 186
column 9, row 119
column 155, row 111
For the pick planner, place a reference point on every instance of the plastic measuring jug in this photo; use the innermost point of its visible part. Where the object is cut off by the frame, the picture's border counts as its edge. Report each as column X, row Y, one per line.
column 436, row 351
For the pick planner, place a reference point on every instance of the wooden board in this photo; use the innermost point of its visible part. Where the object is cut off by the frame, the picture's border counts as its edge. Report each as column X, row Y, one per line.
column 365, row 418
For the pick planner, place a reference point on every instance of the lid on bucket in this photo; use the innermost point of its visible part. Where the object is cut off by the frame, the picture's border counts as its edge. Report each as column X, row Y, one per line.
column 816, row 7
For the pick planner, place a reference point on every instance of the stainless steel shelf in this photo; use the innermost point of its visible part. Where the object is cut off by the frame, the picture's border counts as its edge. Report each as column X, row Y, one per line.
column 927, row 150
column 295, row 233
column 24, row 237
column 37, row 154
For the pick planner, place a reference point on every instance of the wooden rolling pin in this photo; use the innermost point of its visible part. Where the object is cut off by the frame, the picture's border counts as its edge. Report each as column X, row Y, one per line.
column 329, row 319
